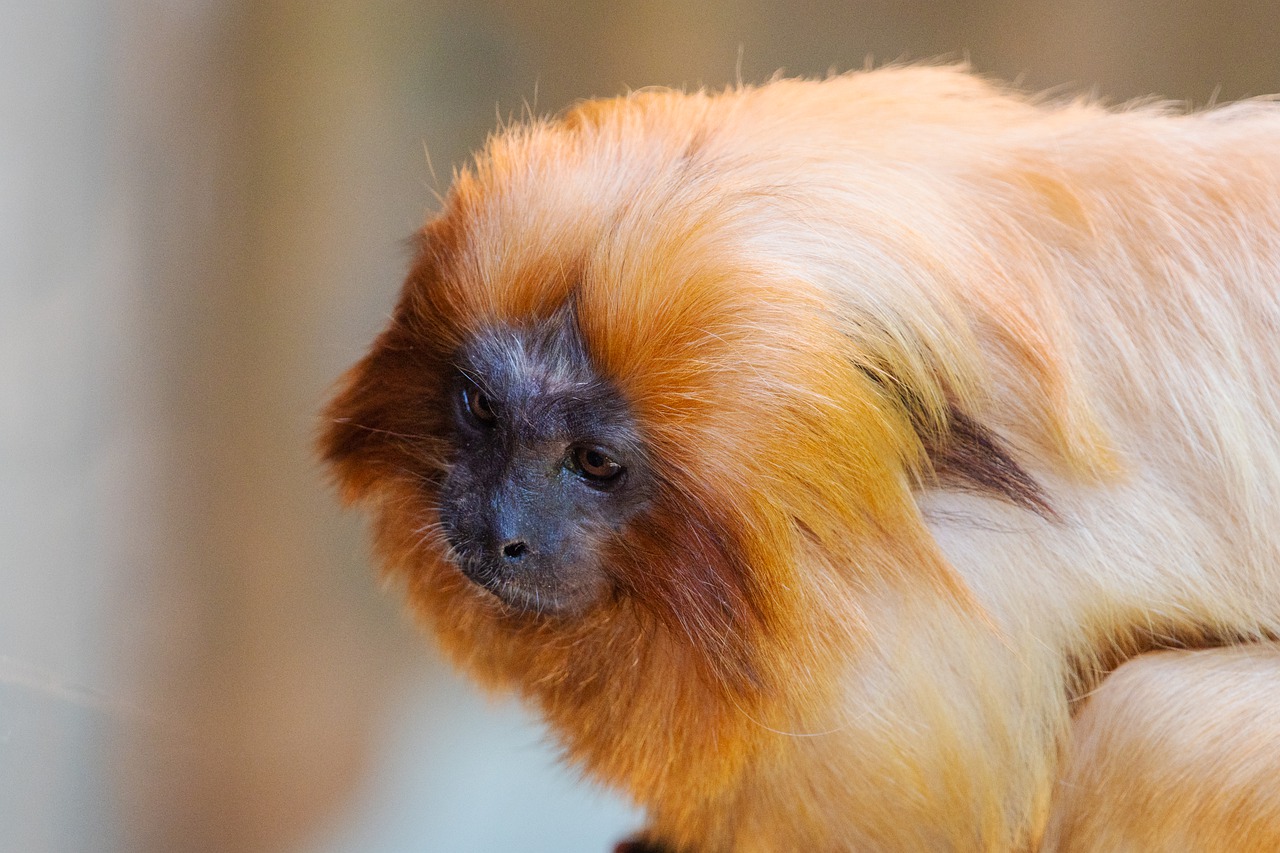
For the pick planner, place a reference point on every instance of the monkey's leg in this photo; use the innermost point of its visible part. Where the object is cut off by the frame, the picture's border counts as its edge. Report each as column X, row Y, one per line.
column 1176, row 751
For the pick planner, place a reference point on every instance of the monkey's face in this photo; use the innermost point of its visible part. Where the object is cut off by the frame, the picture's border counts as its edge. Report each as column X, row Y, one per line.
column 544, row 470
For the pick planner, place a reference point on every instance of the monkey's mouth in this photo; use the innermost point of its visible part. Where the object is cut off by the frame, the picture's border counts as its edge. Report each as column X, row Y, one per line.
column 521, row 591
column 529, row 591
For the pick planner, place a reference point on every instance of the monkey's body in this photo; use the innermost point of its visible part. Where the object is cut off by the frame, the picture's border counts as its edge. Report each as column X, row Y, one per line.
column 936, row 405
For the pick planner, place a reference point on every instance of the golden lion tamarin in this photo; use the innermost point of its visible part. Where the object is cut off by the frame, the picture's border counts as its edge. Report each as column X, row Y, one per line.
column 805, row 453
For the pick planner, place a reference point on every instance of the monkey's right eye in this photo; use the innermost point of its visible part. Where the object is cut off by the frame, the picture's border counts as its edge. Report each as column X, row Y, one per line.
column 477, row 405
column 596, row 466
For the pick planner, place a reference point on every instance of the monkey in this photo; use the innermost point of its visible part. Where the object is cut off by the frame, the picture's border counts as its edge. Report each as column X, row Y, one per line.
column 806, row 453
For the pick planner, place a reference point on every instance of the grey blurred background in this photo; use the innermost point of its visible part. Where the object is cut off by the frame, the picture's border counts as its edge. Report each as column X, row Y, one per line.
column 203, row 213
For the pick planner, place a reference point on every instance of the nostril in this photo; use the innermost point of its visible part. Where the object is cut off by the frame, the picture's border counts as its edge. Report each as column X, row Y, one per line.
column 514, row 550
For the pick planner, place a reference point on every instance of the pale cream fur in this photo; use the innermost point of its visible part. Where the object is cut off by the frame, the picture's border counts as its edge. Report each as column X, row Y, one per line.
column 1176, row 752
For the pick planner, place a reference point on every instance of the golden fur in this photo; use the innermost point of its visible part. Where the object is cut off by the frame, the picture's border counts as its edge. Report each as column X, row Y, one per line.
column 960, row 399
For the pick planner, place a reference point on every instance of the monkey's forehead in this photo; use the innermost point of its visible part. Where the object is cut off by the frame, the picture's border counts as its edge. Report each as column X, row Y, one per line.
column 543, row 379
column 545, row 355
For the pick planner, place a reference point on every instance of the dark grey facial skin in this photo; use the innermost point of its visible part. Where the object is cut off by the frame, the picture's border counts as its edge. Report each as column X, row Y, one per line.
column 547, row 467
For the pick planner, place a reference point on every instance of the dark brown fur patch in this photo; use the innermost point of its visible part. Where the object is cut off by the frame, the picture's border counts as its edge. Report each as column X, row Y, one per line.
column 969, row 455
column 371, row 428
column 689, row 571
column 964, row 454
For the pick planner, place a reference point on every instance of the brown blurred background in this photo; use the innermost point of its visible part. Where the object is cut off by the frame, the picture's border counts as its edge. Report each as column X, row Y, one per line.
column 203, row 208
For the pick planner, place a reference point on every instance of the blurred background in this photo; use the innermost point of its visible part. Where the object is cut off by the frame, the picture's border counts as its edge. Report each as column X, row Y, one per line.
column 203, row 213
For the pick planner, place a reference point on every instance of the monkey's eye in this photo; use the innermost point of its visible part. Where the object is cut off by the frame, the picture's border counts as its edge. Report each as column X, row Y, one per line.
column 477, row 404
column 596, row 466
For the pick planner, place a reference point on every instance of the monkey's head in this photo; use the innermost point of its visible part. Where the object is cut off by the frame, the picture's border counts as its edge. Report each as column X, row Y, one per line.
column 622, row 413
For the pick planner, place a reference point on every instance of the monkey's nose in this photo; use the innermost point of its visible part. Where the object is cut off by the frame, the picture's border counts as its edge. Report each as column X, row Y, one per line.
column 514, row 552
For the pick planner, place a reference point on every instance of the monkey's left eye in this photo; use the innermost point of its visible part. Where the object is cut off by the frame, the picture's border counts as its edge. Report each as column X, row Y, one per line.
column 595, row 465
column 477, row 404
